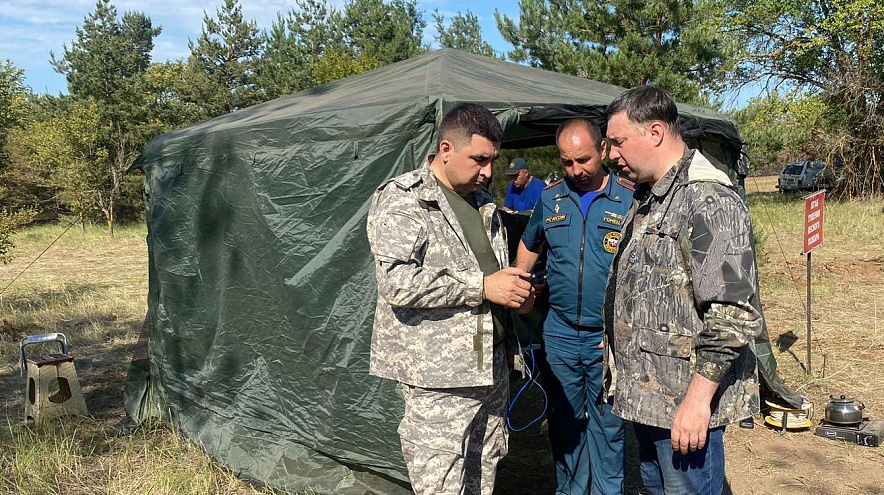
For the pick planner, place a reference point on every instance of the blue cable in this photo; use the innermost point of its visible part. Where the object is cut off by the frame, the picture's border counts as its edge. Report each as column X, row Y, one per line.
column 532, row 374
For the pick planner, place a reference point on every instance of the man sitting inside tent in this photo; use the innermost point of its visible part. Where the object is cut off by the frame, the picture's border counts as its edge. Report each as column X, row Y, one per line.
column 444, row 289
column 524, row 189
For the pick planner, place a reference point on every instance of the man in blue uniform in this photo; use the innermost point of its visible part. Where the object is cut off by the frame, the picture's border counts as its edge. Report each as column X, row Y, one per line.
column 524, row 189
column 578, row 219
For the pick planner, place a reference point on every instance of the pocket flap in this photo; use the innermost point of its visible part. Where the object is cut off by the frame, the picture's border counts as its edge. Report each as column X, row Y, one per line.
column 665, row 343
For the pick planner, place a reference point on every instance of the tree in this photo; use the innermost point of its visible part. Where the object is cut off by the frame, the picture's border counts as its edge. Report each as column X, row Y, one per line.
column 226, row 52
column 832, row 50
column 623, row 42
column 106, row 60
column 105, row 67
column 67, row 157
column 13, row 102
column 9, row 221
column 462, row 33
column 172, row 94
column 781, row 129
column 295, row 45
column 388, row 32
column 14, row 113
column 340, row 63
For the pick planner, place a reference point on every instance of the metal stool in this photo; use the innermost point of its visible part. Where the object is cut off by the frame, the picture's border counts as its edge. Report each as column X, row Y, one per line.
column 48, row 372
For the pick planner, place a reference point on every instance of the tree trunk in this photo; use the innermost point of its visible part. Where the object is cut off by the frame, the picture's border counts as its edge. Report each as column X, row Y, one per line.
column 109, row 219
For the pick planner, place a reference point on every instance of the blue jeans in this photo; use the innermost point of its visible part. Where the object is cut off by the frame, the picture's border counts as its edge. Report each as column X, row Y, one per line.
column 587, row 440
column 668, row 471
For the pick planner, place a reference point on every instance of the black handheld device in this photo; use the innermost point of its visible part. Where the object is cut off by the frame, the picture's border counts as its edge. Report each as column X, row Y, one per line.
column 537, row 277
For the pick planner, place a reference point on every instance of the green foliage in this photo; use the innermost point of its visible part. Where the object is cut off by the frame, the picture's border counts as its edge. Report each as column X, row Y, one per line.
column 66, row 156
column 296, row 44
column 387, row 32
column 781, row 129
column 9, row 221
column 314, row 44
column 832, row 50
column 462, row 33
column 226, row 53
column 13, row 103
column 171, row 92
column 338, row 64
column 623, row 42
column 105, row 63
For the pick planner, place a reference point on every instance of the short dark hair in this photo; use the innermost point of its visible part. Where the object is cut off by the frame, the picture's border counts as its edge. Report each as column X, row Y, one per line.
column 466, row 119
column 595, row 134
column 645, row 104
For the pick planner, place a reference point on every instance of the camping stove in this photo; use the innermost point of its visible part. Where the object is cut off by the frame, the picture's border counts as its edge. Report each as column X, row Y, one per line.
column 867, row 432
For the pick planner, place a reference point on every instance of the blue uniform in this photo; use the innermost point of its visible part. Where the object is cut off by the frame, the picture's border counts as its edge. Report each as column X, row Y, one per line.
column 588, row 441
column 518, row 199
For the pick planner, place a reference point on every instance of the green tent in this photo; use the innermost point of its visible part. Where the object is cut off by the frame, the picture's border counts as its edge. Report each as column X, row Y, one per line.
column 262, row 288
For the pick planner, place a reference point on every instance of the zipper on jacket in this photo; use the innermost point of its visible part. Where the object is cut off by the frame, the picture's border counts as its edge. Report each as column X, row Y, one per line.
column 580, row 271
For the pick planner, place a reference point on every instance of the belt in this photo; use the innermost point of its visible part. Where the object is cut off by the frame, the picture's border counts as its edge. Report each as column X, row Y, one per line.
column 581, row 328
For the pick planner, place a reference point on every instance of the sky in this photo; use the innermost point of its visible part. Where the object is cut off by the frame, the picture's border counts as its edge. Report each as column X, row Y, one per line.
column 31, row 29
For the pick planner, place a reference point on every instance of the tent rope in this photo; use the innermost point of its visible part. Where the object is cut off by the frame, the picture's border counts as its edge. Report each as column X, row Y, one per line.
column 38, row 257
column 780, row 246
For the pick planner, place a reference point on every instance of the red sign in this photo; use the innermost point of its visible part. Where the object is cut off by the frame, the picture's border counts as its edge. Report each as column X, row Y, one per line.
column 813, row 220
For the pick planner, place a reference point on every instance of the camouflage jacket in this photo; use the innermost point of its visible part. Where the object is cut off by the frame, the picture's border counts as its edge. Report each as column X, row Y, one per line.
column 679, row 298
column 432, row 326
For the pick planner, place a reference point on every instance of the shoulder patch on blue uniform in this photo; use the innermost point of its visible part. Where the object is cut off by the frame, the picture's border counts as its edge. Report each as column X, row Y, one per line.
column 628, row 184
column 552, row 184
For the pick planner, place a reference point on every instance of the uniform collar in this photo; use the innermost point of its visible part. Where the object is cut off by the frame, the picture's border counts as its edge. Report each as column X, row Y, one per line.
column 611, row 189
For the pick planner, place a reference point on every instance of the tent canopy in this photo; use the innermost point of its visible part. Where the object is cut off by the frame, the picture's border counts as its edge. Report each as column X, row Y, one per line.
column 262, row 288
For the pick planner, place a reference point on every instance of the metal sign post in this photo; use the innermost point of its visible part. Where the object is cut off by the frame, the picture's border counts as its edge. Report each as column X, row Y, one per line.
column 813, row 237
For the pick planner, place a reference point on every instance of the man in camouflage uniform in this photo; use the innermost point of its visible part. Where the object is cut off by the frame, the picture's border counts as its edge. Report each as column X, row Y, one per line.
column 678, row 314
column 444, row 287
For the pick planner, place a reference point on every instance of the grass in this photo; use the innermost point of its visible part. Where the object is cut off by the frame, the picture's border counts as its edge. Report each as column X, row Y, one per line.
column 94, row 289
column 848, row 270
column 79, row 456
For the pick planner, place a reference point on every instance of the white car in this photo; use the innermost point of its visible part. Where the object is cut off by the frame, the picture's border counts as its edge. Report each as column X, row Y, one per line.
column 808, row 175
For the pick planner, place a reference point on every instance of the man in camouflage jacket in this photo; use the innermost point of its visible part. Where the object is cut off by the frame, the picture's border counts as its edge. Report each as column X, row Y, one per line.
column 444, row 287
column 678, row 314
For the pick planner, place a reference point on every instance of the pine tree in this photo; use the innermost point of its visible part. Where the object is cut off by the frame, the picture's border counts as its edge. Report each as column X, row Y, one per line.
column 226, row 53
column 104, row 67
column 387, row 32
column 623, row 42
column 295, row 44
column 462, row 33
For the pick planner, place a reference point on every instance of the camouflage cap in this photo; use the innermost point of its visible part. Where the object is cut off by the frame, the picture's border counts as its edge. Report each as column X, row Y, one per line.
column 516, row 165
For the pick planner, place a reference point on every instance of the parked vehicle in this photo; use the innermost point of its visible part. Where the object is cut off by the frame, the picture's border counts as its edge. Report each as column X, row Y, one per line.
column 808, row 175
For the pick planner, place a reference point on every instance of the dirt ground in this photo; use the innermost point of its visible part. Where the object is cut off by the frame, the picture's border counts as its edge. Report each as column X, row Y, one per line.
column 847, row 346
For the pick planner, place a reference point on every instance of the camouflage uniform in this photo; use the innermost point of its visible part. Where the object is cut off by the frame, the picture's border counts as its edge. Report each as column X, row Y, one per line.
column 433, row 333
column 680, row 299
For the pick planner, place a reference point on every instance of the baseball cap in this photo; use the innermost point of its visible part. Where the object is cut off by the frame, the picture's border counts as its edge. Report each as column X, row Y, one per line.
column 515, row 166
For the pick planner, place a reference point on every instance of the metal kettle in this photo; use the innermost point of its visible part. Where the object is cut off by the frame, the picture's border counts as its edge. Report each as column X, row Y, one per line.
column 844, row 411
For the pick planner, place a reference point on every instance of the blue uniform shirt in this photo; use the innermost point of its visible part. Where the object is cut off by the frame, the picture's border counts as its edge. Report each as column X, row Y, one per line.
column 581, row 248
column 518, row 199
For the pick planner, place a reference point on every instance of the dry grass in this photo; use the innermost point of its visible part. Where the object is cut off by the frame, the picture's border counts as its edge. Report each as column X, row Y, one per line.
column 846, row 345
column 94, row 290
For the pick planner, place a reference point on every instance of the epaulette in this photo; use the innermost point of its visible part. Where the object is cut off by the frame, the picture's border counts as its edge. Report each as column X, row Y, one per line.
column 628, row 184
column 552, row 184
column 405, row 181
